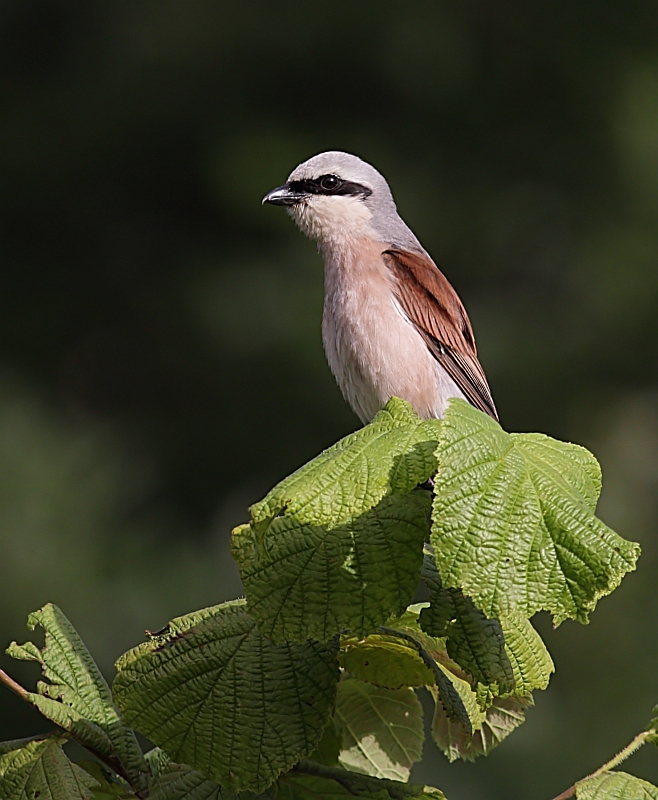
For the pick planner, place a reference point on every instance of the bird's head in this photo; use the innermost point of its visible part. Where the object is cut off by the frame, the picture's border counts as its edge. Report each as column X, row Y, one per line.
column 334, row 196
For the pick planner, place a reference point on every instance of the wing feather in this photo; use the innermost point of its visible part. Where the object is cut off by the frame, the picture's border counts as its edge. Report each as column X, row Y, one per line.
column 434, row 308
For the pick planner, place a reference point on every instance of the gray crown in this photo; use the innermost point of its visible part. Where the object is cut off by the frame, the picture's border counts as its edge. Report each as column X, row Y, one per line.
column 386, row 221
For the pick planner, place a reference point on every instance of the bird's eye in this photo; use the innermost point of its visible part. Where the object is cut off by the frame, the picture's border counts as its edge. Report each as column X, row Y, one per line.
column 329, row 183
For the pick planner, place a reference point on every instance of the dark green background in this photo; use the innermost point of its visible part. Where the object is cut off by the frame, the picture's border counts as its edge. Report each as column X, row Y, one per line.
column 160, row 356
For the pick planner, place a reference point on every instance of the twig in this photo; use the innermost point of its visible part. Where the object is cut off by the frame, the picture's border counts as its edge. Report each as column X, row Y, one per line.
column 10, row 683
column 110, row 761
column 622, row 755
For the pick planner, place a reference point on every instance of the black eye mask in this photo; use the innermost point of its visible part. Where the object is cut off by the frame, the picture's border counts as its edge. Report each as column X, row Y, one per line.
column 330, row 185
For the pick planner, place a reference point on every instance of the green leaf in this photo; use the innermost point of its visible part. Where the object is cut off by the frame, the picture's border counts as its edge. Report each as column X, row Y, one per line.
column 77, row 697
column 181, row 782
column 408, row 623
column 532, row 664
column 488, row 728
column 474, row 642
column 108, row 788
column 382, row 729
column 391, row 455
column 615, row 786
column 307, row 581
column 384, row 660
column 328, row 749
column 16, row 744
column 491, row 716
column 433, row 654
column 403, row 655
column 214, row 693
column 513, row 521
column 311, row 781
column 157, row 760
column 446, row 729
column 310, row 787
column 339, row 543
column 40, row 769
column 428, row 572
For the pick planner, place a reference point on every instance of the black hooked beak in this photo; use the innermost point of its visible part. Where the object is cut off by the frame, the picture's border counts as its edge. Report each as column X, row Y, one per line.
column 283, row 196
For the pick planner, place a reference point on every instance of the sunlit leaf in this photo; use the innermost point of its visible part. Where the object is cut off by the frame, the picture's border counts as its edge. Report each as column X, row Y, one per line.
column 391, row 455
column 616, row 786
column 382, row 729
column 532, row 664
column 311, row 581
column 384, row 660
column 474, row 642
column 40, row 769
column 338, row 545
column 490, row 727
column 513, row 521
column 76, row 696
column 403, row 655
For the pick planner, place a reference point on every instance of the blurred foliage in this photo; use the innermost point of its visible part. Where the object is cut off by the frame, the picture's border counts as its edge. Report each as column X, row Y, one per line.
column 160, row 343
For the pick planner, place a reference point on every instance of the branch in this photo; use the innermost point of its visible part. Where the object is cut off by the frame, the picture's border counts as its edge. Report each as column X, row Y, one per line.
column 10, row 683
column 112, row 763
column 622, row 755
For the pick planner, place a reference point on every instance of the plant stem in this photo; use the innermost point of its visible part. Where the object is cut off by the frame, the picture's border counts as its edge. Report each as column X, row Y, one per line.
column 10, row 683
column 113, row 763
column 622, row 755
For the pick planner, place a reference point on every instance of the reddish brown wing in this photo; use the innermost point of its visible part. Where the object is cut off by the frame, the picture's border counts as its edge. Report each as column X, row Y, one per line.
column 432, row 305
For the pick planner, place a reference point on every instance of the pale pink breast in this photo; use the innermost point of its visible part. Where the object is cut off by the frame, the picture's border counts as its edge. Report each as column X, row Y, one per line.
column 372, row 348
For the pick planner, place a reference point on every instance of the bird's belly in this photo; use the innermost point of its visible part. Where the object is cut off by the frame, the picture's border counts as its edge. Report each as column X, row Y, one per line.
column 375, row 353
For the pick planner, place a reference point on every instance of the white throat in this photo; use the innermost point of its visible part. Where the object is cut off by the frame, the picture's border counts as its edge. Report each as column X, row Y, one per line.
column 333, row 219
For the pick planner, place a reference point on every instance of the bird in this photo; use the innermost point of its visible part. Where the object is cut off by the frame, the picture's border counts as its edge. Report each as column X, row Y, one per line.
column 392, row 324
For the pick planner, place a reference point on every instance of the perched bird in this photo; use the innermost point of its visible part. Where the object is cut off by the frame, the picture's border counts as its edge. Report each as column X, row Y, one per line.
column 392, row 323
